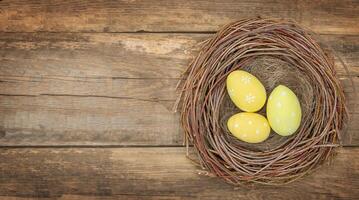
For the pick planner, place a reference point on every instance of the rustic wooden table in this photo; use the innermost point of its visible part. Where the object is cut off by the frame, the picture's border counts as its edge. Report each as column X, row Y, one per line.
column 87, row 89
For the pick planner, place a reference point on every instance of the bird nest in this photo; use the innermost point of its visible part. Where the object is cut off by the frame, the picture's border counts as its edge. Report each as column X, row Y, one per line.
column 276, row 52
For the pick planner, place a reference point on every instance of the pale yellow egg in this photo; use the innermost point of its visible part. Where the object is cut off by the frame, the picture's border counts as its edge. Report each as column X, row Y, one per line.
column 249, row 127
column 283, row 111
column 246, row 91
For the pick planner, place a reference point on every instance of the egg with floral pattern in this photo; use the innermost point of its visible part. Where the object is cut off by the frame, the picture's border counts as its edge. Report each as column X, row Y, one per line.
column 249, row 127
column 246, row 91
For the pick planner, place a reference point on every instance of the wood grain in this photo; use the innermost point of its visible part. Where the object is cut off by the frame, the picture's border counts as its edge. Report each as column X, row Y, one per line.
column 337, row 17
column 109, row 89
column 154, row 173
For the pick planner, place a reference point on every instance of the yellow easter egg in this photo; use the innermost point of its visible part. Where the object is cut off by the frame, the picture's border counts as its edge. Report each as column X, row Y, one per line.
column 283, row 111
column 246, row 91
column 249, row 127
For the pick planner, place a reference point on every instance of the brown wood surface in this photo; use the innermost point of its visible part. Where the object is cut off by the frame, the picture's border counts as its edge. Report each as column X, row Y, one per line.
column 154, row 173
column 87, row 89
column 331, row 16
column 110, row 89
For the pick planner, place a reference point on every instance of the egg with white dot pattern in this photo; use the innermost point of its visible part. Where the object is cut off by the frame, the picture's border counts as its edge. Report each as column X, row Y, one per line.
column 249, row 127
column 246, row 91
column 283, row 111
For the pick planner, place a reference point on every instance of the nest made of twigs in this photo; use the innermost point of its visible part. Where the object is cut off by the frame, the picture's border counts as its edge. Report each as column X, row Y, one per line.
column 276, row 52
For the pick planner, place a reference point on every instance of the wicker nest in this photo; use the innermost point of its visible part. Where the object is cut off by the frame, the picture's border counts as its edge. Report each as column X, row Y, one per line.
column 277, row 52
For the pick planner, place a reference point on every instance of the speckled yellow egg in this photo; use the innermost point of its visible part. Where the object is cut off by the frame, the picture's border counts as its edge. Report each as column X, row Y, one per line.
column 246, row 91
column 249, row 127
column 283, row 111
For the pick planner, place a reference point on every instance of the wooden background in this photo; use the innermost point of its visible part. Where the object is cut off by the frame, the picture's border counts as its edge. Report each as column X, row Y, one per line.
column 87, row 89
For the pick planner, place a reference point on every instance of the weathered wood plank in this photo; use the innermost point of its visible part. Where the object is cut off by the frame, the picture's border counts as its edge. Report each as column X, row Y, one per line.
column 82, row 120
column 121, row 55
column 140, row 89
column 174, row 16
column 152, row 173
column 85, row 120
column 106, row 89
